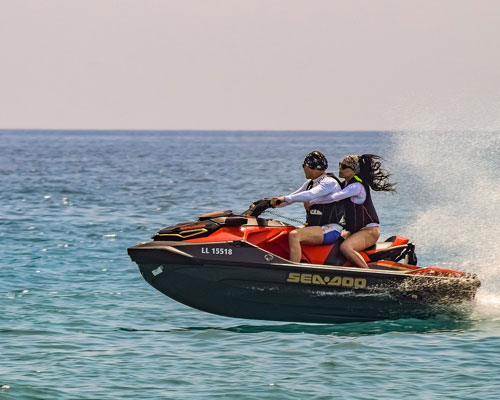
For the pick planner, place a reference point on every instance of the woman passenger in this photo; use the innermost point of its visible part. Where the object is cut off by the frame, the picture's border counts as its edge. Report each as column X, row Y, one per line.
column 360, row 173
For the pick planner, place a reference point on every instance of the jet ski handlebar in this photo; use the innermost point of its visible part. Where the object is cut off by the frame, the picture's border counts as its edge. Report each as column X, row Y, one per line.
column 258, row 207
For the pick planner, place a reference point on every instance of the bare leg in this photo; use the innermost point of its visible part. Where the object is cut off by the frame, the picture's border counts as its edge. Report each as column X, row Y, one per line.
column 309, row 234
column 359, row 241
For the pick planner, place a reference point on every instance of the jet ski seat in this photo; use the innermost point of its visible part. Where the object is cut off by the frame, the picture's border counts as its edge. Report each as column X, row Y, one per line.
column 389, row 242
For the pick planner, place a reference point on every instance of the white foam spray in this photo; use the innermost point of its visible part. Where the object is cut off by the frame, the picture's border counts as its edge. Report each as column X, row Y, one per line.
column 452, row 182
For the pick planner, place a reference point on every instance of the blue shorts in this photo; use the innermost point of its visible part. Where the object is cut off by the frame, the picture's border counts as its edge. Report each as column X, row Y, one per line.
column 330, row 237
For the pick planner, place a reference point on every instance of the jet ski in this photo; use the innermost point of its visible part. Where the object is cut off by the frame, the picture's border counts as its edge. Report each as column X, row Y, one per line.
column 237, row 265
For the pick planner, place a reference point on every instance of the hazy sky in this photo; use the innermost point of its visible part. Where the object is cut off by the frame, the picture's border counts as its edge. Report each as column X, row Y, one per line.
column 249, row 64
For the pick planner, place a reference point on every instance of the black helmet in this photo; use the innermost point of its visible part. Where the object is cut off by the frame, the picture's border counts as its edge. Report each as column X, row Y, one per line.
column 316, row 160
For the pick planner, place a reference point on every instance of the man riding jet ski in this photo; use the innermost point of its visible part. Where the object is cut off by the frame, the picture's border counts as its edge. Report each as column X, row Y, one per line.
column 323, row 215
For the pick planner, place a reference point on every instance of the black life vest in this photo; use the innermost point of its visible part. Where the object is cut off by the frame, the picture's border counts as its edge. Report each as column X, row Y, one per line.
column 357, row 216
column 324, row 214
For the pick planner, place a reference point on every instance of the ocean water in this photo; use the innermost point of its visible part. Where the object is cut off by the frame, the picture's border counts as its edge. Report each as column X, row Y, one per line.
column 78, row 321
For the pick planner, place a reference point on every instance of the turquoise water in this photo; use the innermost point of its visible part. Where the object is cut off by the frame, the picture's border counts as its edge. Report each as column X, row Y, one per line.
column 79, row 322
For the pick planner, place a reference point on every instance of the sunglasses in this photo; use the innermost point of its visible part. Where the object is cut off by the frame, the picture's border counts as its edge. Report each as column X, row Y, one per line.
column 343, row 166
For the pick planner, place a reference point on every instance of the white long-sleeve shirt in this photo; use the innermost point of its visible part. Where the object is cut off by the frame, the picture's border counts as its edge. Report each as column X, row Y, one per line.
column 321, row 191
column 356, row 191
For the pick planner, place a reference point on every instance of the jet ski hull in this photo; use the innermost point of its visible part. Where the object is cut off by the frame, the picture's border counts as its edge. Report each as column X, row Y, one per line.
column 239, row 279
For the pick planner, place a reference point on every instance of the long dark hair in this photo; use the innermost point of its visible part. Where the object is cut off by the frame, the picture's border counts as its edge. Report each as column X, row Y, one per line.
column 373, row 174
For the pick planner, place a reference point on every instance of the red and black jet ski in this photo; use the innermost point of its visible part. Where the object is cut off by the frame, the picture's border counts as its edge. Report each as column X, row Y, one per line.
column 237, row 265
